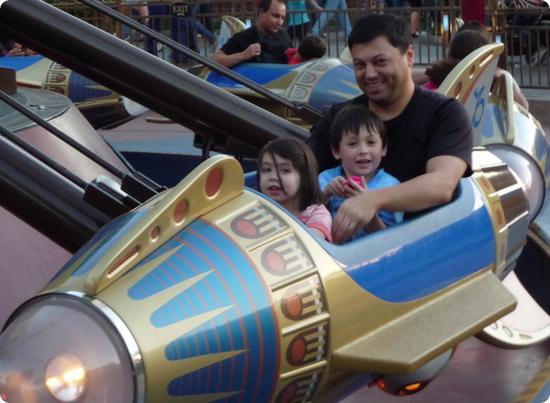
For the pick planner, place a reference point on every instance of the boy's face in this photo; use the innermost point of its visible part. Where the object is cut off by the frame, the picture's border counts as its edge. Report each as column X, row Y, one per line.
column 381, row 70
column 360, row 153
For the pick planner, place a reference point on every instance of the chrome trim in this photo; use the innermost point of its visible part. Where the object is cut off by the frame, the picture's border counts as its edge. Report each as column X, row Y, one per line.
column 127, row 338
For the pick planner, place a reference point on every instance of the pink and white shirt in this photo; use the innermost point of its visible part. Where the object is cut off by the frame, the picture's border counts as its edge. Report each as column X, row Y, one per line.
column 318, row 217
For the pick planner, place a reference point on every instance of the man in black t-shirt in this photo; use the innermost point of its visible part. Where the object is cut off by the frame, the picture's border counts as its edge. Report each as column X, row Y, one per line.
column 265, row 42
column 429, row 135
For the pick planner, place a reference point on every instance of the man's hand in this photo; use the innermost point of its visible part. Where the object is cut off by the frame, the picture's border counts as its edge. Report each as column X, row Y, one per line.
column 233, row 59
column 253, row 50
column 19, row 50
column 354, row 214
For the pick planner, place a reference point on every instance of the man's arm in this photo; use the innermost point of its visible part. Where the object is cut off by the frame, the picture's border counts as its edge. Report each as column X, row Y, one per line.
column 433, row 188
column 233, row 59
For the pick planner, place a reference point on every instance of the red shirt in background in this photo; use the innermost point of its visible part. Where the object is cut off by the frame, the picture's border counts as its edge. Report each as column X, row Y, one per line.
column 291, row 56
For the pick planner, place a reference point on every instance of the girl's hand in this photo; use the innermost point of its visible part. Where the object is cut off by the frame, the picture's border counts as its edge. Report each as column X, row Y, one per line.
column 336, row 187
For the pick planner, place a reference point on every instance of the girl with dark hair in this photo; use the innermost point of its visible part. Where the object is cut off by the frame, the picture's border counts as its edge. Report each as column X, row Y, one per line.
column 288, row 174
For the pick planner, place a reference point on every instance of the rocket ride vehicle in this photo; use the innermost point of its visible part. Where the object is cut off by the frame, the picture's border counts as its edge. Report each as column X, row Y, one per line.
column 210, row 291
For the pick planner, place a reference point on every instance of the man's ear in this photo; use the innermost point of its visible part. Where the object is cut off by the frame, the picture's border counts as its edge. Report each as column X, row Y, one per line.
column 410, row 56
column 335, row 153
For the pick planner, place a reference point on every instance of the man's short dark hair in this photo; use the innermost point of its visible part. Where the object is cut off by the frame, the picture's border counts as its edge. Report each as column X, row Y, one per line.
column 312, row 47
column 265, row 4
column 395, row 29
column 350, row 119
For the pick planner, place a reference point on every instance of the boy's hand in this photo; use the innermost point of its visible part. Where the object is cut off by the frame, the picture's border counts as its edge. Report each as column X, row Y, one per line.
column 354, row 186
column 336, row 187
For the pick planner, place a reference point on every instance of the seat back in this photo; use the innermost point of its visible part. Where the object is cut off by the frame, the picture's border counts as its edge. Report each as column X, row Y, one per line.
column 470, row 83
column 229, row 26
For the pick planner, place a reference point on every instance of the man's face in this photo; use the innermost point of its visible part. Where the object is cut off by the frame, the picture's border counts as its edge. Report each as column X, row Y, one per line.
column 270, row 21
column 381, row 70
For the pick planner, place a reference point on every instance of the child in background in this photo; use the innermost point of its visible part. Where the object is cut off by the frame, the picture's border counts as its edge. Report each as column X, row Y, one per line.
column 358, row 139
column 311, row 47
column 288, row 174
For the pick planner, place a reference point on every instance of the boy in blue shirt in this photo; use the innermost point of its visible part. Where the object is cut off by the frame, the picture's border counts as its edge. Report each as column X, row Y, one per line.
column 358, row 139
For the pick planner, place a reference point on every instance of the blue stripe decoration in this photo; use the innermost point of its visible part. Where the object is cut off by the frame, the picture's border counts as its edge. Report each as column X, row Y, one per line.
column 19, row 62
column 432, row 262
column 541, row 145
column 84, row 89
column 261, row 73
column 250, row 324
column 333, row 84
column 543, row 394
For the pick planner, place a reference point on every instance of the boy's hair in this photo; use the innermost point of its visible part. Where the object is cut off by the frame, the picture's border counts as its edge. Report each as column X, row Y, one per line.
column 395, row 29
column 312, row 47
column 351, row 119
column 472, row 25
column 466, row 41
column 304, row 162
column 462, row 44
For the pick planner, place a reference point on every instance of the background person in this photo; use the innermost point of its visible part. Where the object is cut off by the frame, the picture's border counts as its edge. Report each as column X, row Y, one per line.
column 298, row 22
column 344, row 23
column 264, row 42
column 464, row 42
column 312, row 47
column 126, row 7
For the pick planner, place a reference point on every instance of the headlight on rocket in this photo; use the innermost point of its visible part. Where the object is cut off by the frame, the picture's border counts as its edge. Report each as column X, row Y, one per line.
column 62, row 349
column 65, row 378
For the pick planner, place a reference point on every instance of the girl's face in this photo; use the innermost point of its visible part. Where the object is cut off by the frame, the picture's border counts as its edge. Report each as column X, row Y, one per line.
column 285, row 193
column 360, row 153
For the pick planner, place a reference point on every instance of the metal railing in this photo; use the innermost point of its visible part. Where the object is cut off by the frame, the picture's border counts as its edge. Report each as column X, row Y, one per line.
column 526, row 44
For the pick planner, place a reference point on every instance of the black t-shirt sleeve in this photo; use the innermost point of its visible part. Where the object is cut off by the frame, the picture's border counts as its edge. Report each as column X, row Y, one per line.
column 237, row 43
column 286, row 39
column 451, row 133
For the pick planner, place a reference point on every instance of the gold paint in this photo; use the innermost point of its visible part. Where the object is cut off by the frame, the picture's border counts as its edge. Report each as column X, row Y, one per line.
column 304, row 324
column 536, row 385
column 303, row 370
column 160, row 215
column 468, row 70
column 432, row 325
column 66, row 280
column 152, row 341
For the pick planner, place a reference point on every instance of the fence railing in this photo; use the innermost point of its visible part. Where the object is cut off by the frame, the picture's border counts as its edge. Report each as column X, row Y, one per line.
column 525, row 32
